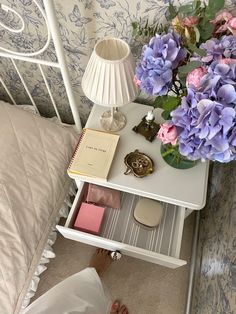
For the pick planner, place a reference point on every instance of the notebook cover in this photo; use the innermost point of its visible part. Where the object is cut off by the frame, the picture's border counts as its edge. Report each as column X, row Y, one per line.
column 94, row 154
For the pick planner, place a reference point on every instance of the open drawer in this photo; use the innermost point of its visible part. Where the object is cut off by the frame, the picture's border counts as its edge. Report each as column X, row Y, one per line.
column 121, row 233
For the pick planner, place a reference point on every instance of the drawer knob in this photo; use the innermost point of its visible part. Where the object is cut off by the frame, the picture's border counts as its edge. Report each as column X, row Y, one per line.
column 116, row 255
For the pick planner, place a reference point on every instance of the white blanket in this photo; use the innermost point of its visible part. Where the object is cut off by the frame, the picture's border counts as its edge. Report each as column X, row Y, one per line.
column 34, row 156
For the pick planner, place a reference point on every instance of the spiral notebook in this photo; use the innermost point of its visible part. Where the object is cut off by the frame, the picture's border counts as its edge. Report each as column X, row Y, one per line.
column 94, row 154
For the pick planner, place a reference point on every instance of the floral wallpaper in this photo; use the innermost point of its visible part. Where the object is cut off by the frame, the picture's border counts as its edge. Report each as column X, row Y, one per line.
column 82, row 24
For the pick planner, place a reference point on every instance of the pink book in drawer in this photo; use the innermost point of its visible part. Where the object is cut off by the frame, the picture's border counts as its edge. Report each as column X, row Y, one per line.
column 89, row 218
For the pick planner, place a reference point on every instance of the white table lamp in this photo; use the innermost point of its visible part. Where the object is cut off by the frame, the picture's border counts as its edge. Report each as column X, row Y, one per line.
column 109, row 80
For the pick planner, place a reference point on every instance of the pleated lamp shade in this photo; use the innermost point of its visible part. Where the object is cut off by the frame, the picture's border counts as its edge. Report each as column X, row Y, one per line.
column 109, row 76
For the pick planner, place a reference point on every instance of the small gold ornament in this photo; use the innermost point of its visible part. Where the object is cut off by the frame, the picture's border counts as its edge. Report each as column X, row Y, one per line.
column 139, row 164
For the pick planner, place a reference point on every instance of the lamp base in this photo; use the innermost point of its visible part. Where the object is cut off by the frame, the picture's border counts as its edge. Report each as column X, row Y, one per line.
column 113, row 120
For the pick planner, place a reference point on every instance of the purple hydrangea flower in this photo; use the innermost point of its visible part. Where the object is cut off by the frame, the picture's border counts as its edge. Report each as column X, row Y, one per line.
column 216, row 49
column 206, row 118
column 219, row 84
column 229, row 45
column 206, row 131
column 159, row 58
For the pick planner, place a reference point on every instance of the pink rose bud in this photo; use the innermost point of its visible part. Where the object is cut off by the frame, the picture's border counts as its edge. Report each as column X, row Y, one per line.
column 232, row 25
column 222, row 28
column 222, row 16
column 168, row 134
column 137, row 81
column 190, row 21
column 195, row 76
column 227, row 61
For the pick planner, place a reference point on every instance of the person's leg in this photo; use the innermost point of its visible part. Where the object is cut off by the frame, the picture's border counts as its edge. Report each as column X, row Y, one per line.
column 80, row 293
column 101, row 260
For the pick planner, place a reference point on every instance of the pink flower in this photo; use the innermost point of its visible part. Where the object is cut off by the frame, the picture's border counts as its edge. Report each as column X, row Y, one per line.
column 190, row 21
column 195, row 76
column 137, row 81
column 227, row 61
column 168, row 134
column 223, row 16
column 232, row 25
column 222, row 28
column 223, row 21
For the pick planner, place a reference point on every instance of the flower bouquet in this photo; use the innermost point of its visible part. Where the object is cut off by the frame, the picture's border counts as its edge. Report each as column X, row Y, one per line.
column 190, row 67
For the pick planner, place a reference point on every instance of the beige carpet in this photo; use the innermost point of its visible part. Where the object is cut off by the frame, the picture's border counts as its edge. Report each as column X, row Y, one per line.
column 144, row 287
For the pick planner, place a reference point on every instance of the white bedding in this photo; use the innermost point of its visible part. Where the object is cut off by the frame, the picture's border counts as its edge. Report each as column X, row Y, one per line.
column 34, row 156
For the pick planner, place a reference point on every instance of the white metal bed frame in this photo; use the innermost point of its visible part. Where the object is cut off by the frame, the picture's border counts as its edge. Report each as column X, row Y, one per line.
column 52, row 33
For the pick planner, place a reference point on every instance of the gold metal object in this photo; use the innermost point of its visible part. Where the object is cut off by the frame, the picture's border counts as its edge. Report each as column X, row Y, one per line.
column 147, row 128
column 139, row 164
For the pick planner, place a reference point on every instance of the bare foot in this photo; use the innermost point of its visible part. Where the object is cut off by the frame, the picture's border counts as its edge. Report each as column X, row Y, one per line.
column 123, row 310
column 100, row 260
column 117, row 309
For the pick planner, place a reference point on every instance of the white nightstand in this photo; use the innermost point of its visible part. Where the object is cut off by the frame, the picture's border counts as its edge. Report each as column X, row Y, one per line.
column 180, row 190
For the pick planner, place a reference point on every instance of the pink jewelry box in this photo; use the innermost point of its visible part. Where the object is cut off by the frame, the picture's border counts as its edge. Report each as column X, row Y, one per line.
column 89, row 218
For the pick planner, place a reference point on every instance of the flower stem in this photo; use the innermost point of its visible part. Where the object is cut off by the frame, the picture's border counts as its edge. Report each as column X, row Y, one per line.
column 168, row 152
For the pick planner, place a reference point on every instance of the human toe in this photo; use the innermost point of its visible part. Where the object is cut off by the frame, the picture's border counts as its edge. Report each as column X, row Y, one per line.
column 115, row 307
column 123, row 310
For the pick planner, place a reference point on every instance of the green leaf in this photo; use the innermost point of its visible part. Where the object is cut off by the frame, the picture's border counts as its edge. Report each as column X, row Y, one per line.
column 159, row 101
column 197, row 8
column 168, row 103
column 185, row 69
column 186, row 9
column 208, row 12
column 147, row 30
column 172, row 11
column 171, row 103
column 213, row 7
column 166, row 115
column 206, row 29
column 200, row 52
column 216, row 5
column 197, row 5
